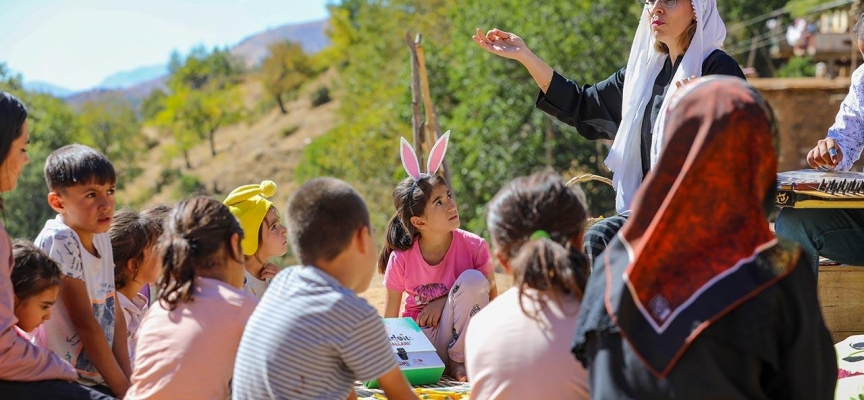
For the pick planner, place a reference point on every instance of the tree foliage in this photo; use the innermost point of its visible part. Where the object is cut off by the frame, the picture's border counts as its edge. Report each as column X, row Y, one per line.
column 51, row 125
column 487, row 102
column 284, row 70
column 204, row 96
column 111, row 126
column 746, row 24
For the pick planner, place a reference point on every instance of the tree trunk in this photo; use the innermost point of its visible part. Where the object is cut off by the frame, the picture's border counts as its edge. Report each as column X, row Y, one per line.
column 281, row 105
column 212, row 136
column 186, row 156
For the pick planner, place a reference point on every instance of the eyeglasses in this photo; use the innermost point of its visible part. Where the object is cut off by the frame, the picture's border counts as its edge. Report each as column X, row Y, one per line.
column 667, row 4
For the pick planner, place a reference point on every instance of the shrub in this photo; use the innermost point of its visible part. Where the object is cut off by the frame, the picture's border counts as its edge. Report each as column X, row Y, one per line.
column 320, row 96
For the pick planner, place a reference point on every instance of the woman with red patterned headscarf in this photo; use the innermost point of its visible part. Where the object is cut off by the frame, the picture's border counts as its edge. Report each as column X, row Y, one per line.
column 695, row 297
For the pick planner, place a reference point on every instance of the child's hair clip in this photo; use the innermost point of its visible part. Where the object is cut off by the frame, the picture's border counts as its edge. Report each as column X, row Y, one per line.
column 436, row 157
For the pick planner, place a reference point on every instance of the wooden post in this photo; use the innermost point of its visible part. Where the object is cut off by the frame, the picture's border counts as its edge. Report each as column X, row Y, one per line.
column 429, row 131
column 416, row 120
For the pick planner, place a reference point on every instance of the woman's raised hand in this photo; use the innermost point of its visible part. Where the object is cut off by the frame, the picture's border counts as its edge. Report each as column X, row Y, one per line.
column 500, row 43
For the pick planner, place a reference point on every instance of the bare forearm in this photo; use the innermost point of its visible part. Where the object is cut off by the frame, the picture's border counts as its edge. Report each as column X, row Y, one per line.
column 392, row 303
column 120, row 348
column 103, row 357
column 539, row 70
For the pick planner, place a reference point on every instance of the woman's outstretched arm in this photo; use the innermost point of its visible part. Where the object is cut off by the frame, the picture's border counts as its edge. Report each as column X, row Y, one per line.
column 509, row 45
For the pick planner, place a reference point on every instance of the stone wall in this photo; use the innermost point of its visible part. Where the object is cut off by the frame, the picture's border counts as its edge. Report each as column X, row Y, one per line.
column 805, row 109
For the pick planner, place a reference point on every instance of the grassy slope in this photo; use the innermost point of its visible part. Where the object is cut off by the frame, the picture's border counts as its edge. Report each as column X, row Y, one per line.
column 246, row 152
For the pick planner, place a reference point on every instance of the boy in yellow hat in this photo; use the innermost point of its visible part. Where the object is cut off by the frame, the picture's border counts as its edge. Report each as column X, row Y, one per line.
column 264, row 235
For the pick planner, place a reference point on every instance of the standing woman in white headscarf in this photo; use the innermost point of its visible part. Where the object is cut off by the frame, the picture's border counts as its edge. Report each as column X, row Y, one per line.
column 677, row 40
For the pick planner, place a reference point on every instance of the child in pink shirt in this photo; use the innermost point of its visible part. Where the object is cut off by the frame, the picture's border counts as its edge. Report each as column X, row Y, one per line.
column 188, row 340
column 446, row 272
column 133, row 240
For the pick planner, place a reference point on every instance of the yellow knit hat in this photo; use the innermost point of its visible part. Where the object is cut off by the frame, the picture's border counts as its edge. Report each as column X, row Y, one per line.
column 249, row 204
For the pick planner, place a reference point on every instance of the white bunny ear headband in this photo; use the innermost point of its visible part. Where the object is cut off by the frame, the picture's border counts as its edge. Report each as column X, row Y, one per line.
column 436, row 157
column 412, row 164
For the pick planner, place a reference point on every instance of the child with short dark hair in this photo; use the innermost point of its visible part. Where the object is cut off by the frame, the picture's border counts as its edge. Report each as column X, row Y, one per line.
column 188, row 339
column 88, row 330
column 311, row 336
column 133, row 237
column 36, row 281
column 27, row 371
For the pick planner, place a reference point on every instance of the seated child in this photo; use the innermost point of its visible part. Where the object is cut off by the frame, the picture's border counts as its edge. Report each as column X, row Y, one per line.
column 133, row 237
column 188, row 339
column 312, row 337
column 36, row 280
column 264, row 236
column 88, row 329
column 446, row 272
column 158, row 213
column 518, row 346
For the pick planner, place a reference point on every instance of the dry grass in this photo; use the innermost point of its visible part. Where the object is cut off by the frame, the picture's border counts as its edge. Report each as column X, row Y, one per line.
column 270, row 147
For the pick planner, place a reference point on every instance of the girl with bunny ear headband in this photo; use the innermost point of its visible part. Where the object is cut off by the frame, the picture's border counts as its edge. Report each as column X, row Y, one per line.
column 446, row 272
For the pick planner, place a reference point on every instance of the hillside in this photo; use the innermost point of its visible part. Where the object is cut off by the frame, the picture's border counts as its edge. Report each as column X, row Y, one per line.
column 311, row 35
column 269, row 146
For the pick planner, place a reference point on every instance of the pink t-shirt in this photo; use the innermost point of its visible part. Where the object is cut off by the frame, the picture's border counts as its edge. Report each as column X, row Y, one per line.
column 189, row 353
column 513, row 355
column 408, row 272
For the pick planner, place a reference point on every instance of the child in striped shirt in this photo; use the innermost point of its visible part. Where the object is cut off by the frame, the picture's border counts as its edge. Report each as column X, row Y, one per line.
column 312, row 337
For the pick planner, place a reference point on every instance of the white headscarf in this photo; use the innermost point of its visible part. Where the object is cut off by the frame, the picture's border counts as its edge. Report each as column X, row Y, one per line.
column 643, row 66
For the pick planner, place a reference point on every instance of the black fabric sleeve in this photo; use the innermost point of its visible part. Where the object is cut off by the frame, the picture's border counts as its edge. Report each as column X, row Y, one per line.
column 594, row 110
column 720, row 63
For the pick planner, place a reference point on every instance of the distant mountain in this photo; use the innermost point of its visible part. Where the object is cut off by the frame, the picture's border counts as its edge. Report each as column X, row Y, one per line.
column 48, row 88
column 311, row 35
column 125, row 79
column 133, row 94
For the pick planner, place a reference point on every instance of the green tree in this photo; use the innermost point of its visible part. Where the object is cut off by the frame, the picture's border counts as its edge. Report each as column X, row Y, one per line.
column 152, row 104
column 202, row 69
column 284, row 70
column 487, row 102
column 746, row 26
column 194, row 115
column 51, row 125
column 111, row 126
column 369, row 51
column 204, row 96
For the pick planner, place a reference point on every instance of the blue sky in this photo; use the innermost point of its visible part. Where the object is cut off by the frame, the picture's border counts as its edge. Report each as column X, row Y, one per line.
column 78, row 43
